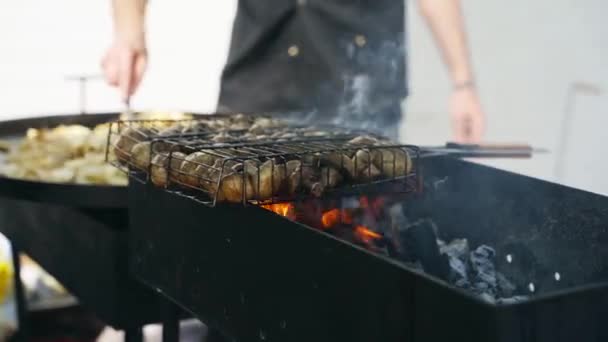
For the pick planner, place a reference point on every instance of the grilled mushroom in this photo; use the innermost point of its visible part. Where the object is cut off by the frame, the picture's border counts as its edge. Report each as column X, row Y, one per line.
column 140, row 153
column 364, row 166
column 267, row 179
column 160, row 167
column 234, row 187
column 393, row 162
column 189, row 169
column 330, row 177
column 127, row 139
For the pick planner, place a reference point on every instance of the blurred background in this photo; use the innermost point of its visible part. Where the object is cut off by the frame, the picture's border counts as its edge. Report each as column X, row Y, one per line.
column 541, row 69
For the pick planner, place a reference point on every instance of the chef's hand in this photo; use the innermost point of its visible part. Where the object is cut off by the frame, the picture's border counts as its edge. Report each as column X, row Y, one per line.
column 125, row 62
column 468, row 119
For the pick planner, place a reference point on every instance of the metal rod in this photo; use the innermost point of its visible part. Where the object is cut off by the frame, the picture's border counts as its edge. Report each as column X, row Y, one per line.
column 22, row 316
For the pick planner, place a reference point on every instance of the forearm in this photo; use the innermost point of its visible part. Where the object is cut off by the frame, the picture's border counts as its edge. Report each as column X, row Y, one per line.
column 445, row 20
column 129, row 16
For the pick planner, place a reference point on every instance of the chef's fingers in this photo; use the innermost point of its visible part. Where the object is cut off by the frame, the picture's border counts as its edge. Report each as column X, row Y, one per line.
column 477, row 130
column 139, row 69
column 110, row 69
column 459, row 129
column 125, row 77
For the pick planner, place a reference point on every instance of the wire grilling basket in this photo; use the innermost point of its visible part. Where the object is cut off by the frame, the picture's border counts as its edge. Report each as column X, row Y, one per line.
column 259, row 160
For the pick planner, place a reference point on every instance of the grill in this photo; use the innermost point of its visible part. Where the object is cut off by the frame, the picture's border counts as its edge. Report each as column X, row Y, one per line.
column 382, row 255
column 271, row 165
column 274, row 275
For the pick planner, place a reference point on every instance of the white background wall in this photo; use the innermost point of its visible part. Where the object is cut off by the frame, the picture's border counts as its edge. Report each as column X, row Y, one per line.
column 527, row 54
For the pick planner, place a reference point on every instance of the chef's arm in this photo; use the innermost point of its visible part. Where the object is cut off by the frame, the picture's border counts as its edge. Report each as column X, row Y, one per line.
column 445, row 20
column 129, row 16
column 126, row 60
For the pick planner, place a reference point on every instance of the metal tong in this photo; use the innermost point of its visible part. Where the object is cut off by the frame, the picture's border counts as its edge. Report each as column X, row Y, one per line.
column 128, row 112
column 481, row 150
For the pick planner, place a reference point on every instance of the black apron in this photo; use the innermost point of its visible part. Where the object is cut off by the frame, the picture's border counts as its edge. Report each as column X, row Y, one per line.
column 337, row 61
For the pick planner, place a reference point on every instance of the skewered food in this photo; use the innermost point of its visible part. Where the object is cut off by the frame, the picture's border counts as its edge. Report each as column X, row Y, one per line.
column 237, row 158
column 162, row 170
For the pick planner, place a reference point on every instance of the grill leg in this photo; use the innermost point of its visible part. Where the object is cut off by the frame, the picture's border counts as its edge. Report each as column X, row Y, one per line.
column 170, row 322
column 22, row 332
column 214, row 335
column 134, row 334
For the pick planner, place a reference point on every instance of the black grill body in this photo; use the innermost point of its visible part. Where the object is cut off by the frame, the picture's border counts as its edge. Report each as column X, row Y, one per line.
column 257, row 276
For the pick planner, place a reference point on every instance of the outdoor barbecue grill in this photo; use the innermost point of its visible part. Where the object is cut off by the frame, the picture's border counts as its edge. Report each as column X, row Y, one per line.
column 313, row 269
column 78, row 233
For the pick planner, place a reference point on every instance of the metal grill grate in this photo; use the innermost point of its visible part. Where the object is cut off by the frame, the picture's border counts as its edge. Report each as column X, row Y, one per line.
column 262, row 166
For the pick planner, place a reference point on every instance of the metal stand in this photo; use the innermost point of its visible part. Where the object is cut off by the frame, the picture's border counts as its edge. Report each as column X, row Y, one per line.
column 134, row 334
column 215, row 336
column 22, row 333
column 170, row 322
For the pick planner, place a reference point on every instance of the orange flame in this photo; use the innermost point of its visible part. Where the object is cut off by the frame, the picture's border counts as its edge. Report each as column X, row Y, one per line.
column 366, row 235
column 283, row 209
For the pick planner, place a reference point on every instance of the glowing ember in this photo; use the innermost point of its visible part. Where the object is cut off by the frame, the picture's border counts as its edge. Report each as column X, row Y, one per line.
column 366, row 235
column 376, row 205
column 335, row 216
column 330, row 218
column 283, row 209
column 346, row 217
column 337, row 220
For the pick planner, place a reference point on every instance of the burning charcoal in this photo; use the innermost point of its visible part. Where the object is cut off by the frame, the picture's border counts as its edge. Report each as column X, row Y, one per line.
column 422, row 242
column 457, row 252
column 483, row 273
column 505, row 287
column 160, row 163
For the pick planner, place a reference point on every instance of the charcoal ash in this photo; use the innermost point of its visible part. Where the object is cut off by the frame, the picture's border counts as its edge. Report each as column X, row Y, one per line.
column 476, row 271
column 457, row 252
column 454, row 262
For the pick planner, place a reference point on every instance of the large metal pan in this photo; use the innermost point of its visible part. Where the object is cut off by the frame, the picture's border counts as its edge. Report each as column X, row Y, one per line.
column 78, row 233
column 74, row 195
